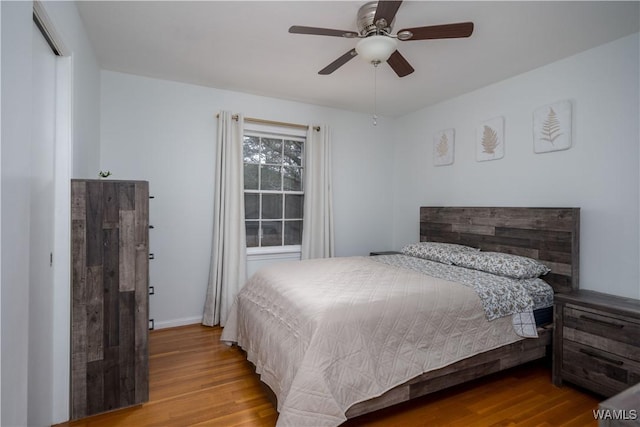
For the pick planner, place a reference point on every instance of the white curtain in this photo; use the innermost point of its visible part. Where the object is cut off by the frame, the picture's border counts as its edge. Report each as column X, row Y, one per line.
column 227, row 273
column 317, row 229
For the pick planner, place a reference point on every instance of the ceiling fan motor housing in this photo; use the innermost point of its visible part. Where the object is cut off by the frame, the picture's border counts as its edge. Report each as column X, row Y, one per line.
column 365, row 23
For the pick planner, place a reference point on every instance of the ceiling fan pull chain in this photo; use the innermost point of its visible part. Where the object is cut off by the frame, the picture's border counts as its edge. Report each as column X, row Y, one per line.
column 375, row 93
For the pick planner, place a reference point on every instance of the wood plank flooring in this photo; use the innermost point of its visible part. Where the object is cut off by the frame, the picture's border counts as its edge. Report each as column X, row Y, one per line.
column 197, row 381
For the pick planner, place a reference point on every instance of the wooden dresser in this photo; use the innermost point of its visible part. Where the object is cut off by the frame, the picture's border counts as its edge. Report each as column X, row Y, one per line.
column 109, row 295
column 596, row 341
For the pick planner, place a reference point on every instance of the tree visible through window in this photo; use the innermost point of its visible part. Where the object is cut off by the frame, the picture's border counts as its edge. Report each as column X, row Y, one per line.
column 273, row 189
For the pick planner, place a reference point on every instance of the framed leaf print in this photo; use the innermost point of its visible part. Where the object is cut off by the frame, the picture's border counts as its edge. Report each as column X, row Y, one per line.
column 490, row 140
column 552, row 127
column 443, row 144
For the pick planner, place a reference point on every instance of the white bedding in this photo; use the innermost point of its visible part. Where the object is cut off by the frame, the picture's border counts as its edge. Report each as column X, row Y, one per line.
column 326, row 334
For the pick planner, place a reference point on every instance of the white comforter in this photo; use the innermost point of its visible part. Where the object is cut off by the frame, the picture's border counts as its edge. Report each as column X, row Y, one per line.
column 326, row 334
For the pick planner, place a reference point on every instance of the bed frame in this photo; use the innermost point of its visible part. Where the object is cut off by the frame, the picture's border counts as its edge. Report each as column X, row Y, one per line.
column 551, row 235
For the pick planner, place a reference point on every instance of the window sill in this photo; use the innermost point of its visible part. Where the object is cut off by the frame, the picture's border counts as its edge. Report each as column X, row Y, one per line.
column 274, row 252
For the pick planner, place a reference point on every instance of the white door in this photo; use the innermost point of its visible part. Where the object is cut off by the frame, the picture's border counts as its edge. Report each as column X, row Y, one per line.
column 40, row 387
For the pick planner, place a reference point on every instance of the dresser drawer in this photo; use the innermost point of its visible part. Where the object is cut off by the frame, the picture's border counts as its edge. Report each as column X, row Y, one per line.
column 614, row 334
column 608, row 373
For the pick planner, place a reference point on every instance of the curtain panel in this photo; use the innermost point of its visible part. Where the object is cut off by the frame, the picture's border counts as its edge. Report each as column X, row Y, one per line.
column 227, row 273
column 317, row 229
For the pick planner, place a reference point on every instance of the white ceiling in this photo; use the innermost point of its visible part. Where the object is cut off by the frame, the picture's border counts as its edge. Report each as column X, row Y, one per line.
column 245, row 46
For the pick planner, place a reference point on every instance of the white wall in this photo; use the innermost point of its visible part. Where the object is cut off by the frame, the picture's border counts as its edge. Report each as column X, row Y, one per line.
column 17, row 351
column 164, row 132
column 0, row 204
column 16, row 137
column 599, row 174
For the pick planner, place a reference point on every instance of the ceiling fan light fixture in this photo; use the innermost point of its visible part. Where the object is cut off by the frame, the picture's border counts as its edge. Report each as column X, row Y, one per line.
column 376, row 49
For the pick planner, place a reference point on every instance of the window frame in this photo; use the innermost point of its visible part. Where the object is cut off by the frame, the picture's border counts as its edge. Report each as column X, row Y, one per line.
column 282, row 133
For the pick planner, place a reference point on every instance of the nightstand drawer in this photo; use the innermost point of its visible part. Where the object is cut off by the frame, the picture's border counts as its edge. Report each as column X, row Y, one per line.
column 597, row 369
column 611, row 333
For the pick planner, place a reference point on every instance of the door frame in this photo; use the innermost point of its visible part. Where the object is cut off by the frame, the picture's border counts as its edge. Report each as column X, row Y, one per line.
column 62, row 240
column 61, row 261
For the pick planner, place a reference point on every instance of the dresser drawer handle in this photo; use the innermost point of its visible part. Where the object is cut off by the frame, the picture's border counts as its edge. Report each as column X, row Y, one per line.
column 602, row 322
column 604, row 358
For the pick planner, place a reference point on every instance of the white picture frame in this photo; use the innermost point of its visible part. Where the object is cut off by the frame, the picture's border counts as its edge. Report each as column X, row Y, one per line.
column 443, row 147
column 552, row 127
column 490, row 140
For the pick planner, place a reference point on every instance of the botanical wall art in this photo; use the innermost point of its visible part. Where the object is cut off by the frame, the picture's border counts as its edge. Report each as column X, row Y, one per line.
column 443, row 143
column 490, row 145
column 552, row 127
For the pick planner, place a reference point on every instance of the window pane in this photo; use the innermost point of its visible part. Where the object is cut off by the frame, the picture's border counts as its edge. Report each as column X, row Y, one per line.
column 273, row 164
column 271, row 206
column 271, row 233
column 292, row 178
column 250, row 177
column 251, row 205
column 292, row 232
column 272, row 150
column 251, row 149
column 293, row 153
column 252, row 228
column 271, row 178
column 293, row 206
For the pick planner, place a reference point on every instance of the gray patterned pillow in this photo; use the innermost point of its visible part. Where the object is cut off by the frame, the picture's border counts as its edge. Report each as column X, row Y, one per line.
column 435, row 251
column 515, row 266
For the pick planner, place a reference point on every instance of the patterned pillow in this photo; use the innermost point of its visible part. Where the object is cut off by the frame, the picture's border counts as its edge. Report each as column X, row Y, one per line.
column 435, row 251
column 515, row 266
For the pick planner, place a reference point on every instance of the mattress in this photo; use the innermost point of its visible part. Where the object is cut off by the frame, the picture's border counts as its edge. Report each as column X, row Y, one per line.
column 326, row 334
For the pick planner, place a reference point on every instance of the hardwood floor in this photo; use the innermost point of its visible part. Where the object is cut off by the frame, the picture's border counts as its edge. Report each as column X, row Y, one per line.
column 196, row 380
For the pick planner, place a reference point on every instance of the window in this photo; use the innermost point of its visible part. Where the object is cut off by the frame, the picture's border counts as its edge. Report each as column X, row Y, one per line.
column 273, row 189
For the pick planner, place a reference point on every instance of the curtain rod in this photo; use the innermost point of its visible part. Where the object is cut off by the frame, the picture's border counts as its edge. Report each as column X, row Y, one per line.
column 272, row 122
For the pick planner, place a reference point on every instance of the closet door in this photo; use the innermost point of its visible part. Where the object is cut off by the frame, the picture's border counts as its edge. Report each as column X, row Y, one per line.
column 110, row 279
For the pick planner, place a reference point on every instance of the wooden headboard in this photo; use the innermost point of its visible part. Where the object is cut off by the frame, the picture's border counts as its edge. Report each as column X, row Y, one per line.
column 551, row 235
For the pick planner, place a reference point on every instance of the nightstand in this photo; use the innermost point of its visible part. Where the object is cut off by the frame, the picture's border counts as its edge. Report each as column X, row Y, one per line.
column 384, row 253
column 596, row 342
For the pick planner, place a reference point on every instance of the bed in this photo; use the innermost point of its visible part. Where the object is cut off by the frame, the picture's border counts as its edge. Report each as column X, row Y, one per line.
column 337, row 338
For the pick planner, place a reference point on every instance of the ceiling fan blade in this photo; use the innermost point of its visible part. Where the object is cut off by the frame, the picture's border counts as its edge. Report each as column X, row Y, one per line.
column 400, row 65
column 297, row 29
column 386, row 10
column 446, row 31
column 338, row 62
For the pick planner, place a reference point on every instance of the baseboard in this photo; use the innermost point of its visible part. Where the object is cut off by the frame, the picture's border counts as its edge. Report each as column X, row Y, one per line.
column 177, row 322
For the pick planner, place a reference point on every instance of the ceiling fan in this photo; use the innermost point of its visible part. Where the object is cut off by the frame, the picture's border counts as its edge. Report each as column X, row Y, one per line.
column 378, row 44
